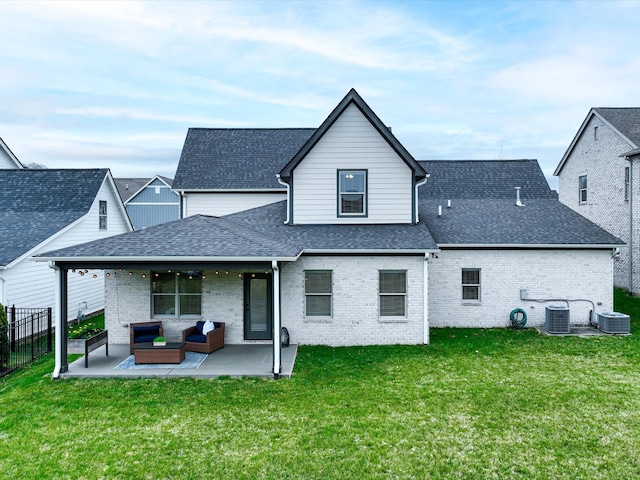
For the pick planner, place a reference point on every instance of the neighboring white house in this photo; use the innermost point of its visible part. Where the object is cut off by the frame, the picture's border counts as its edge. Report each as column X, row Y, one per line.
column 49, row 209
column 7, row 158
column 598, row 177
column 368, row 246
column 149, row 201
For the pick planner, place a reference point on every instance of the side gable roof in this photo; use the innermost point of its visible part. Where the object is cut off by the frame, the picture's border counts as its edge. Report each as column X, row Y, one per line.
column 236, row 158
column 140, row 184
column 37, row 204
column 7, row 151
column 624, row 121
column 483, row 211
column 353, row 98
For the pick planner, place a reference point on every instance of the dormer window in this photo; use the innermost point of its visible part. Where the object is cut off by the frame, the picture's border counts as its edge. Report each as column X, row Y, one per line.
column 352, row 193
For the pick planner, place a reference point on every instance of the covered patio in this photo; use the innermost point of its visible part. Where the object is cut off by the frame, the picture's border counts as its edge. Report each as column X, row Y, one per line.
column 249, row 360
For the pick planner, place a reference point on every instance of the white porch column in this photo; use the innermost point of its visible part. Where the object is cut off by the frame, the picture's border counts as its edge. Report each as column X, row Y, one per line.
column 60, row 321
column 425, row 300
column 277, row 337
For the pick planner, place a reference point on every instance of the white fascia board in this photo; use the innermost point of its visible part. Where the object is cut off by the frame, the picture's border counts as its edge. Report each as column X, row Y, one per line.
column 141, row 260
column 531, row 246
column 344, row 251
column 10, row 154
column 231, row 190
column 121, row 208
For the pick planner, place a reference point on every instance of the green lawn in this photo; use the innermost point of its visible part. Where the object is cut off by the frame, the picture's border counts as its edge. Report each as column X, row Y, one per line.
column 475, row 404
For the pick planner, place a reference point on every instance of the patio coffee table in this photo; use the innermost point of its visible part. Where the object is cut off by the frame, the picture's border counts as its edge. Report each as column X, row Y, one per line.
column 172, row 352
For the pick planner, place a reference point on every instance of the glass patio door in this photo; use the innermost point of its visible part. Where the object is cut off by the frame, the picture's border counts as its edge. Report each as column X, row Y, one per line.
column 258, row 306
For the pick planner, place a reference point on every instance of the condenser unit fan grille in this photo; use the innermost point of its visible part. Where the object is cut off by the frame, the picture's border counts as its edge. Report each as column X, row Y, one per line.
column 557, row 319
column 614, row 322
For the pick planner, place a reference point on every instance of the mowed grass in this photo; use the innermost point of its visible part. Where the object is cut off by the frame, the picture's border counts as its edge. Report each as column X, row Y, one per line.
column 474, row 404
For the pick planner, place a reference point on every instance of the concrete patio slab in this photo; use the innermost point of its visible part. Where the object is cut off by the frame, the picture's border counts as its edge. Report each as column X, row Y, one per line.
column 253, row 360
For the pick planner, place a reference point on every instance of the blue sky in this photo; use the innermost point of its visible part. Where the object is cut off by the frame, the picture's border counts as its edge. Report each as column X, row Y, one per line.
column 117, row 84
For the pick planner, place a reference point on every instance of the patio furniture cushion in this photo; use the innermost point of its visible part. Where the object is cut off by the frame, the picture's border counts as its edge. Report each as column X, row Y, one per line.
column 207, row 327
column 196, row 338
column 144, row 332
column 199, row 325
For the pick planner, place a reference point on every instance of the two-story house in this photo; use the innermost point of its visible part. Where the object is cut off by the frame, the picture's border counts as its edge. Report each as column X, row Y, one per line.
column 365, row 245
column 597, row 178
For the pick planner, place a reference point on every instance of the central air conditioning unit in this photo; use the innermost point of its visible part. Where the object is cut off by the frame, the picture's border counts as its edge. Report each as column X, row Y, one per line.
column 557, row 319
column 614, row 322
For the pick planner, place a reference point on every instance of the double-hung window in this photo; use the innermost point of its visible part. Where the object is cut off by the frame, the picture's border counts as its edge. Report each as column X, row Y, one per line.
column 318, row 291
column 471, row 284
column 582, row 186
column 392, row 289
column 352, row 193
column 102, row 215
column 176, row 294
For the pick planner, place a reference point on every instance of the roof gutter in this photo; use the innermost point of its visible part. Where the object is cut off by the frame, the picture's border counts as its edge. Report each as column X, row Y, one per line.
column 144, row 260
column 529, row 246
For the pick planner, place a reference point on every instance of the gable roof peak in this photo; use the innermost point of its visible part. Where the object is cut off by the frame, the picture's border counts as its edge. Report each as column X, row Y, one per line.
column 352, row 97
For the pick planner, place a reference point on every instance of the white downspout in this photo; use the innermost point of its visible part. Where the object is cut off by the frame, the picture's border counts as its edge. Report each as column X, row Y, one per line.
column 277, row 337
column 281, row 182
column 630, row 225
column 425, row 300
column 419, row 184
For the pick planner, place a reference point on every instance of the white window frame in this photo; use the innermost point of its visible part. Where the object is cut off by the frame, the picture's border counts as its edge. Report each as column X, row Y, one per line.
column 467, row 285
column 176, row 295
column 308, row 295
column 583, row 189
column 342, row 192
column 382, row 294
column 102, row 214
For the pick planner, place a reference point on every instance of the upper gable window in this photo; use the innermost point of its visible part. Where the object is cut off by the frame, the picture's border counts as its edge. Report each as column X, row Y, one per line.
column 352, row 193
column 582, row 181
column 102, row 215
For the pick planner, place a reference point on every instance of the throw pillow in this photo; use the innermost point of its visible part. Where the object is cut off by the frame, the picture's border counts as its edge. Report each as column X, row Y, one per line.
column 207, row 327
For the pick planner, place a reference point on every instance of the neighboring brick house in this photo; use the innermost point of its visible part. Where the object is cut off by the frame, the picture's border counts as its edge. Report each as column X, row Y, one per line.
column 366, row 245
column 597, row 180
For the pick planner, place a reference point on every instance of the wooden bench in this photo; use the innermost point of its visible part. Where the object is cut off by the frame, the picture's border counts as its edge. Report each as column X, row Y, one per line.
column 94, row 342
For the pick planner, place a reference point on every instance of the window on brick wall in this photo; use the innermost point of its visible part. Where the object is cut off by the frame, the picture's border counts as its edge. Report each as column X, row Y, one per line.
column 176, row 294
column 582, row 188
column 393, row 293
column 627, row 183
column 318, row 290
column 471, row 284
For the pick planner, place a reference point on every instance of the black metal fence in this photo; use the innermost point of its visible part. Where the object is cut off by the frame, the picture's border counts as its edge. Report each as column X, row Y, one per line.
column 27, row 337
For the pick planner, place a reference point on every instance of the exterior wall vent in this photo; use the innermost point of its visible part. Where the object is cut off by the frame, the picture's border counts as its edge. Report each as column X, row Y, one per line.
column 557, row 319
column 614, row 322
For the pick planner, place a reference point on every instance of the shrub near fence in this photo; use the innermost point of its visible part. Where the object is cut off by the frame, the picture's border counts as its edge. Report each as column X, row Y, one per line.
column 26, row 336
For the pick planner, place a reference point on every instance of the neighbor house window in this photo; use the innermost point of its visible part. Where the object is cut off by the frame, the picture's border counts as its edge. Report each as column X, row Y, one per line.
column 627, row 183
column 471, row 284
column 582, row 182
column 176, row 294
column 352, row 192
column 318, row 291
column 393, row 293
column 102, row 214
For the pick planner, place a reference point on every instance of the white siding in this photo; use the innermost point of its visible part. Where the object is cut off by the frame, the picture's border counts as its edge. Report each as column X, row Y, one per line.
column 31, row 284
column 6, row 161
column 545, row 274
column 225, row 203
column 352, row 143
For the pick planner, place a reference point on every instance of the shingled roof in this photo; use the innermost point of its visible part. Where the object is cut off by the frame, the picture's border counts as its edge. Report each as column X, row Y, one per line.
column 483, row 207
column 237, row 158
column 625, row 120
column 36, row 204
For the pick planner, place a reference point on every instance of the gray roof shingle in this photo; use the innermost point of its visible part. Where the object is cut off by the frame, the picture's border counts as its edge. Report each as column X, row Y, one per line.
column 35, row 204
column 237, row 159
column 626, row 120
column 483, row 210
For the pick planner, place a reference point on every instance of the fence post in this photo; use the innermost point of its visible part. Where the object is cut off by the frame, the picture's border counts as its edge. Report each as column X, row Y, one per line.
column 13, row 328
column 49, row 330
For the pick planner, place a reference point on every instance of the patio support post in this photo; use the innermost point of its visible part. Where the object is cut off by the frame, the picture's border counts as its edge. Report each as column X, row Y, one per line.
column 277, row 336
column 61, row 364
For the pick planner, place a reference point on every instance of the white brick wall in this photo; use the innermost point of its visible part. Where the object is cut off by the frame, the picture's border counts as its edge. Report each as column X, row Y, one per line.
column 355, row 319
column 545, row 274
column 597, row 157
